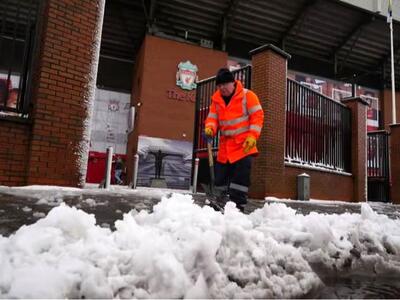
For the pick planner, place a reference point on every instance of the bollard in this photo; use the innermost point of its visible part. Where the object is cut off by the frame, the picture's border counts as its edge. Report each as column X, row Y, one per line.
column 108, row 167
column 303, row 187
column 195, row 172
column 135, row 170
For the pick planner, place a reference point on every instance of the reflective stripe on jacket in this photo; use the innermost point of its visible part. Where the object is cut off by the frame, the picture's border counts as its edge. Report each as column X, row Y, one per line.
column 243, row 116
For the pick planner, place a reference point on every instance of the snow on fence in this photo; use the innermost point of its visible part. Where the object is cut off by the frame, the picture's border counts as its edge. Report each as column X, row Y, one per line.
column 318, row 129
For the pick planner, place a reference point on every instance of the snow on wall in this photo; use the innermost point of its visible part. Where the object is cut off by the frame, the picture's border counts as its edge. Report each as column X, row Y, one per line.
column 82, row 150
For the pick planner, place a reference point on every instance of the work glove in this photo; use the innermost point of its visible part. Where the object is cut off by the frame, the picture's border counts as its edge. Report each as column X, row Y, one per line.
column 209, row 132
column 249, row 144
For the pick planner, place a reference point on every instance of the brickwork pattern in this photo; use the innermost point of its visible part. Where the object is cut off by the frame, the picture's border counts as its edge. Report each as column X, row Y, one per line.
column 395, row 163
column 321, row 184
column 14, row 147
column 269, row 83
column 154, row 75
column 358, row 148
column 386, row 107
column 66, row 54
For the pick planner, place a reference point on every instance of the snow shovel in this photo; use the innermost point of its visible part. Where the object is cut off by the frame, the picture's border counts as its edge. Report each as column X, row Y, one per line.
column 210, row 191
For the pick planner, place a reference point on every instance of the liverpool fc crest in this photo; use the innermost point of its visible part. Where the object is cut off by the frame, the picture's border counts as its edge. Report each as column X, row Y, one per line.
column 186, row 77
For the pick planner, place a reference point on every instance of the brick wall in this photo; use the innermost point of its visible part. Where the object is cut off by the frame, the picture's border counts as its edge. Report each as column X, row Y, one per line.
column 386, row 107
column 154, row 76
column 269, row 83
column 321, row 184
column 358, row 109
column 14, row 148
column 395, row 163
column 160, row 115
column 59, row 111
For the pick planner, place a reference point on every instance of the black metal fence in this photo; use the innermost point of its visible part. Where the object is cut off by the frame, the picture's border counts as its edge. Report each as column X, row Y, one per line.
column 18, row 20
column 378, row 166
column 318, row 129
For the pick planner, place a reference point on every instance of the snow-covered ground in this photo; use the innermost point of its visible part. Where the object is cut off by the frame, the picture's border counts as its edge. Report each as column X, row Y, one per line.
column 53, row 195
column 182, row 250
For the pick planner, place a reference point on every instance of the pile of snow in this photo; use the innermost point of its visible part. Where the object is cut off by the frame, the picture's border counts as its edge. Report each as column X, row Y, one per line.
column 182, row 250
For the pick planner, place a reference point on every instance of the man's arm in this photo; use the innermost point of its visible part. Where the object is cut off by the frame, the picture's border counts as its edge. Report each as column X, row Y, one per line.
column 256, row 114
column 212, row 119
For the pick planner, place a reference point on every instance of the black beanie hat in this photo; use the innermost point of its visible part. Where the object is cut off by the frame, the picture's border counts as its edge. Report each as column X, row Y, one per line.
column 224, row 76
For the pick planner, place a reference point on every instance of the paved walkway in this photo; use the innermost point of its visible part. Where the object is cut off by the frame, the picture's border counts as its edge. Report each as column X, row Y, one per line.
column 18, row 210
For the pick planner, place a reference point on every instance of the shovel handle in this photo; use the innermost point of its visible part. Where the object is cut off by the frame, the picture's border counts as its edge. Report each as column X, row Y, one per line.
column 210, row 154
column 211, row 166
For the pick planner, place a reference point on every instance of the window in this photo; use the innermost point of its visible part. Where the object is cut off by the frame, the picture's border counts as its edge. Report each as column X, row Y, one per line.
column 17, row 34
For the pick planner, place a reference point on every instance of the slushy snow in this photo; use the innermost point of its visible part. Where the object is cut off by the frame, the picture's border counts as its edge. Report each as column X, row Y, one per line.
column 182, row 250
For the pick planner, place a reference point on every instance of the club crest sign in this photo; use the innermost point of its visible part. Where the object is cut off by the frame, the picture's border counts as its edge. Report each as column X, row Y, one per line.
column 186, row 77
column 113, row 105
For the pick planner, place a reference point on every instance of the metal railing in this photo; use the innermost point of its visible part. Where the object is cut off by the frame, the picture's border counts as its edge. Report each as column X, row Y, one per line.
column 318, row 129
column 377, row 154
column 18, row 20
column 378, row 165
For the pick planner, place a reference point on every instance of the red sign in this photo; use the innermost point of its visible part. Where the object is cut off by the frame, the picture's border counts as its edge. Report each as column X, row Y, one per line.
column 181, row 96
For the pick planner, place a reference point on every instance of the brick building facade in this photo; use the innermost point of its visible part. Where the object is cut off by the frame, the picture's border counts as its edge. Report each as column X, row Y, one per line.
column 49, row 146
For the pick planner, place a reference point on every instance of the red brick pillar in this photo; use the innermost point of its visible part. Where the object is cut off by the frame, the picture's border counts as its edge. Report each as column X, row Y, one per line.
column 387, row 107
column 358, row 109
column 395, row 163
column 269, row 77
column 64, row 91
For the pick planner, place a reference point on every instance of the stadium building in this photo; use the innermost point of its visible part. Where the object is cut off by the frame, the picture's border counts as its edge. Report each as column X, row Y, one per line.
column 77, row 77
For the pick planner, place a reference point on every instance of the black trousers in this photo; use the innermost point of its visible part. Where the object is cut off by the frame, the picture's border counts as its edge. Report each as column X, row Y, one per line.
column 234, row 179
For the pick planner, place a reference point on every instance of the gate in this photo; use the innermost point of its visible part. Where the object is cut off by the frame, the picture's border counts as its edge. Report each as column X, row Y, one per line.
column 205, row 89
column 378, row 166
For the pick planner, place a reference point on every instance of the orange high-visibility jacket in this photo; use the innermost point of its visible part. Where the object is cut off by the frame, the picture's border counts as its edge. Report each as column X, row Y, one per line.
column 242, row 117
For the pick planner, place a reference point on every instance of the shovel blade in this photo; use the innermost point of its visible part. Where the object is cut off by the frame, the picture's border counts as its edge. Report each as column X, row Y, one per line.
column 215, row 193
column 212, row 198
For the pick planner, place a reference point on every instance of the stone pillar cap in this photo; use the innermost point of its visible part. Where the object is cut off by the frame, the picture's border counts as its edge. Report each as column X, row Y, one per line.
column 270, row 47
column 355, row 99
column 304, row 175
